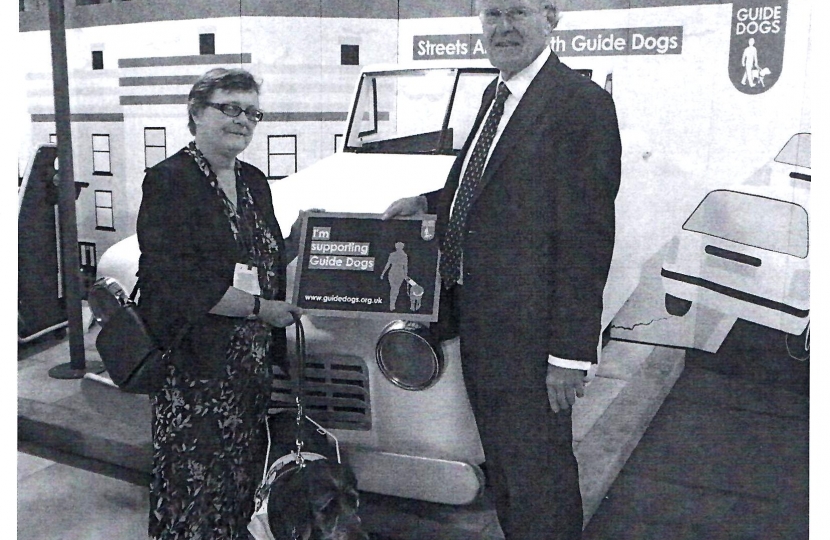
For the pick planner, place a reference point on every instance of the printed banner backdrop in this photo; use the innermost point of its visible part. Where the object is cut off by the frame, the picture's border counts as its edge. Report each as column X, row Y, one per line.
column 656, row 40
column 756, row 46
column 358, row 265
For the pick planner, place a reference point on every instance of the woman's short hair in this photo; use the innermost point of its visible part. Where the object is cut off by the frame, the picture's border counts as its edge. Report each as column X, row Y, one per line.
column 216, row 79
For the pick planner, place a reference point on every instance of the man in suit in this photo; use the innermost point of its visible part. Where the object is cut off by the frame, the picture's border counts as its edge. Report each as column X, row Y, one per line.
column 526, row 223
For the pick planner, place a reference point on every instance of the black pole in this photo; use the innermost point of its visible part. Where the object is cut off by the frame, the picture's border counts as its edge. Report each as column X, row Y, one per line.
column 68, row 227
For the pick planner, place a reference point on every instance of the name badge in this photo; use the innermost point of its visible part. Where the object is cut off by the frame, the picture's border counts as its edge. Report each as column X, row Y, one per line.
column 246, row 278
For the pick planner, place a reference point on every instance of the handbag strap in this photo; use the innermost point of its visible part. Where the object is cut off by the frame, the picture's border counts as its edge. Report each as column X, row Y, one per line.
column 182, row 331
column 134, row 292
column 178, row 339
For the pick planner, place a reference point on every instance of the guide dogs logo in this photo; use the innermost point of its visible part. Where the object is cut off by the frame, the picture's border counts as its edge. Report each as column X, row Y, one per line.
column 756, row 48
column 428, row 229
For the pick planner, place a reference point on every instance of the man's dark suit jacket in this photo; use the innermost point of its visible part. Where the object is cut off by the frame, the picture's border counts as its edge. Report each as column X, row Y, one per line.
column 540, row 232
column 188, row 255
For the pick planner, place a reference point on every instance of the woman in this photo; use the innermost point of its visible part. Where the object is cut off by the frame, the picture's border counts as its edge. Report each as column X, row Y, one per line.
column 206, row 223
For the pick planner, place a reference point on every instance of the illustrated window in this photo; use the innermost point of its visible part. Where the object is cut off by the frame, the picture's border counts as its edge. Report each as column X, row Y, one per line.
column 87, row 254
column 350, row 55
column 103, row 211
column 97, row 59
column 207, row 43
column 101, row 155
column 338, row 141
column 155, row 145
column 282, row 155
column 89, row 264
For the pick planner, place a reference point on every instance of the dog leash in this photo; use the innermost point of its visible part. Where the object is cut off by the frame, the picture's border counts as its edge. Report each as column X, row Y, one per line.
column 299, row 343
column 299, row 457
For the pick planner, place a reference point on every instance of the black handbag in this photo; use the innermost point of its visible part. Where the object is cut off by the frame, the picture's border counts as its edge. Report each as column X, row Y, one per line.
column 131, row 355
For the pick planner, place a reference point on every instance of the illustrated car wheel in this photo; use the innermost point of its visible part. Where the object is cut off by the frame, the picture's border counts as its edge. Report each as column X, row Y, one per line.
column 677, row 306
column 798, row 347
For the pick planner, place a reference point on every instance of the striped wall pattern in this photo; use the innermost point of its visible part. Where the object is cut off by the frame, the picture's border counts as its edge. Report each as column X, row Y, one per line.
column 36, row 16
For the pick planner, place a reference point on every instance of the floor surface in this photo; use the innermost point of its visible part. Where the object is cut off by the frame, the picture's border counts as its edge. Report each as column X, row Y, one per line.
column 726, row 457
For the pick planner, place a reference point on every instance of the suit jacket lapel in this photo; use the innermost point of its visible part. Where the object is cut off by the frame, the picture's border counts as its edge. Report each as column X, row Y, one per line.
column 454, row 177
column 486, row 101
column 539, row 98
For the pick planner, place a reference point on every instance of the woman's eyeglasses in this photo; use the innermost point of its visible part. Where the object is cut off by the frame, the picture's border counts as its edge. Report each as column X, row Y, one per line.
column 229, row 109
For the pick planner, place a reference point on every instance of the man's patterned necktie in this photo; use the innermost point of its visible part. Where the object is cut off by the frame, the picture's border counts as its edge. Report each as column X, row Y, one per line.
column 451, row 247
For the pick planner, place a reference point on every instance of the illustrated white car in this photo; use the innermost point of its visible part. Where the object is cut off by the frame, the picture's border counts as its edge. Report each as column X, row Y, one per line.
column 397, row 406
column 746, row 251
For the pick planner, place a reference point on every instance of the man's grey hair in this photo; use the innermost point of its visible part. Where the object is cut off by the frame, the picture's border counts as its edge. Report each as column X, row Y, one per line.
column 544, row 4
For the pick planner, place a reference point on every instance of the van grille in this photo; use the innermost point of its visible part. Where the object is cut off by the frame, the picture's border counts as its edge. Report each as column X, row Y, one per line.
column 335, row 388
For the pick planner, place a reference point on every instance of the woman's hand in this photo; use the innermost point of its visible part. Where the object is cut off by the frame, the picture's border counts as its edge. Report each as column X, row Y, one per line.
column 278, row 313
column 298, row 223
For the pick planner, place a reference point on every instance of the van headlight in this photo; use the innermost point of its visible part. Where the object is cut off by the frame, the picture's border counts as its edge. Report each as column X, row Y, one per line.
column 407, row 357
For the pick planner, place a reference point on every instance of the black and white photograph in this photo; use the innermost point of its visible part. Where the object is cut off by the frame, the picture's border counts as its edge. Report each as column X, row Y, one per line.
column 415, row 270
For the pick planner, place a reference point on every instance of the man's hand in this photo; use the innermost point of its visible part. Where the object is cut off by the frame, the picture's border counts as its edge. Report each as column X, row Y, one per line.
column 564, row 386
column 409, row 206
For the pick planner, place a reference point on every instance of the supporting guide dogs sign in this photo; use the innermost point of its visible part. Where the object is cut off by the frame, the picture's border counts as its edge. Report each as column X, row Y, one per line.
column 358, row 265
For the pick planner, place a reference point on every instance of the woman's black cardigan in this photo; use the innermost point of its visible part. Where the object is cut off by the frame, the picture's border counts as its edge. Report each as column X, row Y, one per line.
column 188, row 255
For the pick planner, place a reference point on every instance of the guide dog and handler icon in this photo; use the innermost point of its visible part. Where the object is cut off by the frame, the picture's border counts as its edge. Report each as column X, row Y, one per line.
column 753, row 72
column 397, row 266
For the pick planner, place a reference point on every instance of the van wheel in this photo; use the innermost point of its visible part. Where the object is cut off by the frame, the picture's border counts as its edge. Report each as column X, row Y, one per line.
column 677, row 306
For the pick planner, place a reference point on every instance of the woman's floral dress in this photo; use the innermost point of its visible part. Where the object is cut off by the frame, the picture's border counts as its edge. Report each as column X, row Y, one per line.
column 209, row 438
